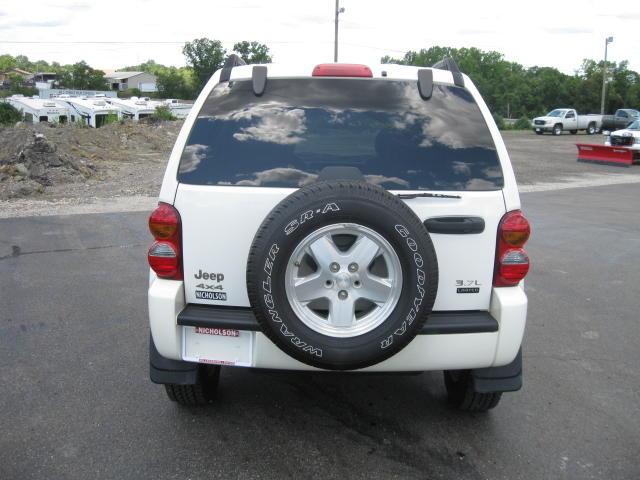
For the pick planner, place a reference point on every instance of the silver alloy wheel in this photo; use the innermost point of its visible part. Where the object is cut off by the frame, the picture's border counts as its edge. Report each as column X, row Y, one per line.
column 343, row 280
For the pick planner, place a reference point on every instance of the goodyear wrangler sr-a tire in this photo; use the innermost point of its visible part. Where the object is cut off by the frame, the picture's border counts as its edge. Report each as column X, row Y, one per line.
column 342, row 275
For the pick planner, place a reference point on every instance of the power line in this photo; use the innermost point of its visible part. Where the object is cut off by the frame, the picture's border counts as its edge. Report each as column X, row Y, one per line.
column 164, row 42
column 92, row 42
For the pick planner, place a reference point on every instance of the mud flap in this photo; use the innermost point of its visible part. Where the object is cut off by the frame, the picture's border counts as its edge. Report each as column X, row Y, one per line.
column 507, row 378
column 166, row 371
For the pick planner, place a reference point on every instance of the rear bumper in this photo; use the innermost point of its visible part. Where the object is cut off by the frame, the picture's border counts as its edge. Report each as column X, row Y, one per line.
column 449, row 340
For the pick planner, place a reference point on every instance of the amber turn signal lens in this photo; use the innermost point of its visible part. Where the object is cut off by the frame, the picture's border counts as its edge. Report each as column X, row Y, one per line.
column 164, row 222
column 162, row 231
column 515, row 229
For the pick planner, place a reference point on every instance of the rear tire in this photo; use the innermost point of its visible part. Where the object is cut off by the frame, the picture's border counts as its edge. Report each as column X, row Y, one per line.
column 557, row 129
column 200, row 394
column 591, row 129
column 461, row 395
column 538, row 132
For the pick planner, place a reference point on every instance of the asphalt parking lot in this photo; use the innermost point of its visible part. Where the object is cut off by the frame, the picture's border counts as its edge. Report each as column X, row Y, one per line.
column 548, row 158
column 76, row 401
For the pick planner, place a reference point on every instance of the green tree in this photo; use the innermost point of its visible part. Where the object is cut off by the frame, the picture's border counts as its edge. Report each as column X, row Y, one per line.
column 23, row 62
column 150, row 66
column 253, row 52
column 176, row 83
column 7, row 62
column 82, row 76
column 513, row 91
column 205, row 56
column 9, row 114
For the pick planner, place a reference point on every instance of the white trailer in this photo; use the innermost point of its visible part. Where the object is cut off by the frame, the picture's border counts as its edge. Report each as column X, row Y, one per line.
column 178, row 109
column 36, row 110
column 95, row 112
column 133, row 108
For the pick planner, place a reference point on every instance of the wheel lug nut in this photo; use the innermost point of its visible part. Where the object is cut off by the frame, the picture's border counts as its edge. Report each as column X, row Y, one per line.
column 342, row 294
column 353, row 267
column 334, row 267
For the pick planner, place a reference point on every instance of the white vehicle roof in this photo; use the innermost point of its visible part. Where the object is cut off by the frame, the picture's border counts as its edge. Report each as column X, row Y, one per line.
column 38, row 103
column 91, row 104
column 133, row 104
column 393, row 71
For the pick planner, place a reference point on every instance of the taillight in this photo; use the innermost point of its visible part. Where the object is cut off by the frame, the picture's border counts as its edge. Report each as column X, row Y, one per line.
column 165, row 255
column 341, row 70
column 512, row 262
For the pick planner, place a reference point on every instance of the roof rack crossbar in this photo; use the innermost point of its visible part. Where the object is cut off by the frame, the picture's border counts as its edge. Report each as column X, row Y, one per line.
column 232, row 60
column 448, row 63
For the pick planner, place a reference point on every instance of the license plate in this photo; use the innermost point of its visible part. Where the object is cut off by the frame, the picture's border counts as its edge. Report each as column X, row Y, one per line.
column 537, row 129
column 217, row 346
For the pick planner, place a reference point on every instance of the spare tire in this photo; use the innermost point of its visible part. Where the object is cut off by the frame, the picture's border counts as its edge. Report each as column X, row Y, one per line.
column 342, row 275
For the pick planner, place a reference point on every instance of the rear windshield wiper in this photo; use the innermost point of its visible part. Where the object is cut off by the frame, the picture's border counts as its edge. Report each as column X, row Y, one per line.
column 426, row 194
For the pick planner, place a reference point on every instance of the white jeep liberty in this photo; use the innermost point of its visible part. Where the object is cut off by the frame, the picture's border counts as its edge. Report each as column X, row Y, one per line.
column 339, row 217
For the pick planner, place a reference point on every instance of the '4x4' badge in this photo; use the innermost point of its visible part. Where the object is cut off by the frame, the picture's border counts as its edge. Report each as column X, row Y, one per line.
column 204, row 286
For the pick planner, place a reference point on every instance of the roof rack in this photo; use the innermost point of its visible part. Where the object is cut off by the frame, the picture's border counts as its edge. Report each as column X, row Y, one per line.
column 259, row 79
column 448, row 63
column 232, row 60
column 425, row 83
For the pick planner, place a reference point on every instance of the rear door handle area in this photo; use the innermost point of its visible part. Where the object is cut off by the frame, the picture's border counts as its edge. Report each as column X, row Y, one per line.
column 455, row 225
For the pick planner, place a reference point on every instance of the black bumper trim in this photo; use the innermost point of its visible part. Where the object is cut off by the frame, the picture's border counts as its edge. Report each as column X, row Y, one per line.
column 240, row 318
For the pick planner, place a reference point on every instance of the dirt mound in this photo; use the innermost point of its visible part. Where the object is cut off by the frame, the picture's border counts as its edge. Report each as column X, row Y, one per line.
column 47, row 158
column 37, row 164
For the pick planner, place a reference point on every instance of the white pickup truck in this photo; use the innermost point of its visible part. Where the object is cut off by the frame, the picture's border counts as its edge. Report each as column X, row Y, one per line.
column 560, row 119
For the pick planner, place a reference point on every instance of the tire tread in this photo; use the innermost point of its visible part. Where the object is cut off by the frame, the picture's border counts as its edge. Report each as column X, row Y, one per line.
column 461, row 395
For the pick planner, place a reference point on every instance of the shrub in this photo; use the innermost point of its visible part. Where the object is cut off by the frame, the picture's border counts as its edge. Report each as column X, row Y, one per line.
column 499, row 121
column 131, row 92
column 9, row 115
column 523, row 123
column 163, row 113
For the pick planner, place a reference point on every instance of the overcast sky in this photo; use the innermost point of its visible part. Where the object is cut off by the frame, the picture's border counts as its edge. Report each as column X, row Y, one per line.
column 559, row 33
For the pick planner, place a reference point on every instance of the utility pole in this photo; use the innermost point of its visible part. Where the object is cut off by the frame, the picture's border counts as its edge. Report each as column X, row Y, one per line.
column 335, row 41
column 607, row 41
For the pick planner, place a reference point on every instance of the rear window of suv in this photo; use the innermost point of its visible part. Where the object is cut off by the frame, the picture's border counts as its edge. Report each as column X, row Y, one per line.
column 287, row 136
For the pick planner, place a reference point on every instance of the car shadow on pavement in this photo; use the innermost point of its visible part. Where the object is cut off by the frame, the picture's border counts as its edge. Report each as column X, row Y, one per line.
column 394, row 423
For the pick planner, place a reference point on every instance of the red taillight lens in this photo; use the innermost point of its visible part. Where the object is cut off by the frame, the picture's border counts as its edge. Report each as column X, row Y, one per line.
column 512, row 262
column 164, row 255
column 341, row 70
column 515, row 229
column 164, row 260
column 164, row 222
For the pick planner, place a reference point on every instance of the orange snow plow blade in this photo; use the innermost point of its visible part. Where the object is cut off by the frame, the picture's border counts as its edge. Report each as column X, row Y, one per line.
column 622, row 157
